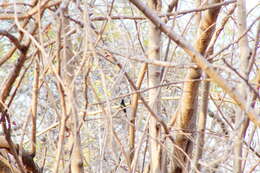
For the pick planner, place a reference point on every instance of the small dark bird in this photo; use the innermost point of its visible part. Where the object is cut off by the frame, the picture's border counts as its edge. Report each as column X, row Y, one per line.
column 122, row 105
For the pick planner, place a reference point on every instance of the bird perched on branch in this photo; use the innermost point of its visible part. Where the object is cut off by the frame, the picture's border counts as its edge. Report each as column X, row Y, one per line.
column 123, row 105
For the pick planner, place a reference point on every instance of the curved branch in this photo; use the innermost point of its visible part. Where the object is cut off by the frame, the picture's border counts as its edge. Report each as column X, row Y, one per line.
column 199, row 60
column 13, row 39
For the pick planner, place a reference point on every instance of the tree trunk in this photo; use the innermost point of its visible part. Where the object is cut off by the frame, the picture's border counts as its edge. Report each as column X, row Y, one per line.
column 185, row 120
column 244, row 52
column 71, row 107
column 154, row 95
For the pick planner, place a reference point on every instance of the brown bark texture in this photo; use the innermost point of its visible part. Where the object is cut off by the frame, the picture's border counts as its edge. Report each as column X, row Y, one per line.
column 185, row 119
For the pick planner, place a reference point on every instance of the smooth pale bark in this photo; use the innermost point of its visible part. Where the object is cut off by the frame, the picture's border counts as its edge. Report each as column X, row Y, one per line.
column 76, row 164
column 185, row 118
column 34, row 106
column 154, row 94
column 201, row 124
column 134, row 105
column 244, row 52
